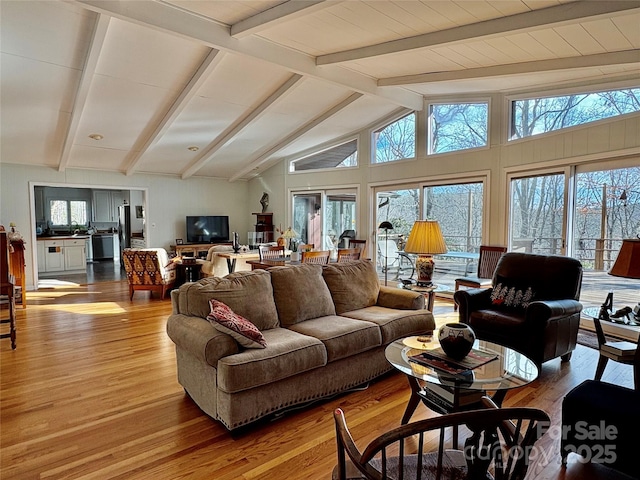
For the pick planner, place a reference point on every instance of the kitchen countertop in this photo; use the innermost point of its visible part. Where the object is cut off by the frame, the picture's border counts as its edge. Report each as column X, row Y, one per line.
column 62, row 237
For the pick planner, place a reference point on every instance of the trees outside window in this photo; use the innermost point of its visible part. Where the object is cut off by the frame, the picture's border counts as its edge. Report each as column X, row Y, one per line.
column 458, row 126
column 396, row 141
column 535, row 116
column 68, row 213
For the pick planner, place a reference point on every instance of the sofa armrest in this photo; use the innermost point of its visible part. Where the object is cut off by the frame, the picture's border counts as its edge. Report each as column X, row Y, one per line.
column 391, row 297
column 200, row 338
column 549, row 310
column 472, row 300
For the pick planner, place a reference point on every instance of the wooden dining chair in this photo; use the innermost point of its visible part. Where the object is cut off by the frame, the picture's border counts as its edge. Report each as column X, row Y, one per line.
column 500, row 442
column 489, row 256
column 271, row 252
column 361, row 244
column 321, row 256
column 348, row 254
column 622, row 352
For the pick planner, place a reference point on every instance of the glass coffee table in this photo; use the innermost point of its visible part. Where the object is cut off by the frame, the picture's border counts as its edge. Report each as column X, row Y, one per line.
column 444, row 392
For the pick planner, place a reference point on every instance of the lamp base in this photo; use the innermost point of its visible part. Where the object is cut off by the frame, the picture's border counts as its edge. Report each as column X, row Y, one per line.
column 424, row 267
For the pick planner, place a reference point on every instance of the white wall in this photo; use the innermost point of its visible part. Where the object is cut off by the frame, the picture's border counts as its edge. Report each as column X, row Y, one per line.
column 169, row 201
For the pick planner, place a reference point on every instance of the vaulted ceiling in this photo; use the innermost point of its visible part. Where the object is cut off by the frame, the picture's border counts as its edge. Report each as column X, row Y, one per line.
column 228, row 88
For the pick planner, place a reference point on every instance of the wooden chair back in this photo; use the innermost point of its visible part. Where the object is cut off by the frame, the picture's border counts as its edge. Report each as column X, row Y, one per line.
column 348, row 254
column 321, row 256
column 489, row 256
column 500, row 440
column 361, row 244
column 271, row 252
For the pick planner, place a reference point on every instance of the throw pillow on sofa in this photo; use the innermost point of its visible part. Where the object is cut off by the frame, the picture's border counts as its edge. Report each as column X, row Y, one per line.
column 300, row 293
column 505, row 294
column 242, row 330
column 353, row 285
column 231, row 290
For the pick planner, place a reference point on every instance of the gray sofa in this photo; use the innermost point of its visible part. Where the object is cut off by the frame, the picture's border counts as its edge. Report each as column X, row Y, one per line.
column 326, row 328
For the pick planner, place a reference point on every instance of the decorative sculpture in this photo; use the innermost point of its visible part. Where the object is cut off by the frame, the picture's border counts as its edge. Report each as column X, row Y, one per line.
column 264, row 201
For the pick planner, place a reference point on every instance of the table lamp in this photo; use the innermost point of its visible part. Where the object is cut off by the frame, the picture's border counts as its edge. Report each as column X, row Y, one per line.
column 627, row 265
column 289, row 234
column 425, row 240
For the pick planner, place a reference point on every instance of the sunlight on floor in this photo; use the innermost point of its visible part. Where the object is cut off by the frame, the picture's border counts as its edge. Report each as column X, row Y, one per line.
column 92, row 308
column 55, row 283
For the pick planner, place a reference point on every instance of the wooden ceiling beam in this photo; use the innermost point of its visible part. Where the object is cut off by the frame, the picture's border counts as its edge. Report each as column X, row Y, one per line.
column 93, row 54
column 266, row 155
column 233, row 130
column 281, row 13
column 145, row 142
column 568, row 63
column 521, row 22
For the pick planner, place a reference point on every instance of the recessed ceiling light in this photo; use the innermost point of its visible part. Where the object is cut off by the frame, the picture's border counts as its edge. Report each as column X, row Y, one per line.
column 193, row 149
column 96, row 136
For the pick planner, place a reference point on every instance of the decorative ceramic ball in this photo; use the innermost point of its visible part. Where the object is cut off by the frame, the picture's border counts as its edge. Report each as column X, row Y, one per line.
column 456, row 339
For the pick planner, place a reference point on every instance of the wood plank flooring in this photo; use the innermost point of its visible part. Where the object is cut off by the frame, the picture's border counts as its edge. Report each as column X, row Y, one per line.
column 91, row 393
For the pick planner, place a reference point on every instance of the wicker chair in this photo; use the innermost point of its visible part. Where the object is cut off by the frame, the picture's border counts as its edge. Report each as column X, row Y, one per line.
column 148, row 269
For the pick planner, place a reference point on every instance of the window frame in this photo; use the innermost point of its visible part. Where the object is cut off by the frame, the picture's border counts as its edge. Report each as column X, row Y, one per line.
column 386, row 123
column 471, row 100
column 574, row 90
column 69, row 223
column 323, row 148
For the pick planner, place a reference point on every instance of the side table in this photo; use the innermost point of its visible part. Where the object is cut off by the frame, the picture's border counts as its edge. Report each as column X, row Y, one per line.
column 187, row 272
column 428, row 292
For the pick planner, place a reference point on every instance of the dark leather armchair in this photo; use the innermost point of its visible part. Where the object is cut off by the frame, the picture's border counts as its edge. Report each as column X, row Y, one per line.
column 531, row 307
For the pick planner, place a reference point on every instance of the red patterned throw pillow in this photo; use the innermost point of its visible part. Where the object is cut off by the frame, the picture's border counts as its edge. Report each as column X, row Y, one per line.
column 227, row 321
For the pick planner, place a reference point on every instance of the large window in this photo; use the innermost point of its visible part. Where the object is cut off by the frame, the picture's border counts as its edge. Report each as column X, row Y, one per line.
column 343, row 155
column 457, row 126
column 534, row 116
column 396, row 141
column 68, row 213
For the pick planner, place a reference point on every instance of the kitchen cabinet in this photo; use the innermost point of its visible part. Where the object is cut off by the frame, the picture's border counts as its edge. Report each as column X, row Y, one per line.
column 40, row 253
column 75, row 257
column 53, row 256
column 105, row 205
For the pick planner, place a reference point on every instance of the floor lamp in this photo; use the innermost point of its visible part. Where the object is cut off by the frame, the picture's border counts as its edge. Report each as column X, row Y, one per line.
column 386, row 226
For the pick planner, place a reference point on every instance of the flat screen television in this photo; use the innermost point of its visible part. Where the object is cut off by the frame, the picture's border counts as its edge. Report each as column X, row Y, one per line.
column 208, row 229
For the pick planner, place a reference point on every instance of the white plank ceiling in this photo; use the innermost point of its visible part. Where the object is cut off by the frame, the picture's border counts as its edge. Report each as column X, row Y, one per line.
column 228, row 88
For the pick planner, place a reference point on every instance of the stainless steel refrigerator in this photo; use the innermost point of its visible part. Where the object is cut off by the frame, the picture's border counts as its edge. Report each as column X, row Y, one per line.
column 124, row 227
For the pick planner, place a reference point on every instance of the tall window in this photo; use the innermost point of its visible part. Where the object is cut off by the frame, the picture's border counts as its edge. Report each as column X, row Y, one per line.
column 458, row 126
column 396, row 141
column 68, row 212
column 534, row 116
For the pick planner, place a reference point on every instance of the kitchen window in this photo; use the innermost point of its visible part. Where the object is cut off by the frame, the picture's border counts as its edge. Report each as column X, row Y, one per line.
column 68, row 212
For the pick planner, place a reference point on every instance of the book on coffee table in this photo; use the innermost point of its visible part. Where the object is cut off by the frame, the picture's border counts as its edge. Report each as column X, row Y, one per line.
column 437, row 359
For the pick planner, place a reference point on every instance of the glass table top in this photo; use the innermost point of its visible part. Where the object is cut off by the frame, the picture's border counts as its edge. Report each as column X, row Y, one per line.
column 510, row 370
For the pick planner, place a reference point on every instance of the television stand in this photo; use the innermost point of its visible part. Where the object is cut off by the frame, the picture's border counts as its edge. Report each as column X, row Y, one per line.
column 198, row 250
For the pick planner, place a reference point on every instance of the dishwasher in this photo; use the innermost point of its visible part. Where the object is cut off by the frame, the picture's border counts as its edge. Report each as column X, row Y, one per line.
column 102, row 246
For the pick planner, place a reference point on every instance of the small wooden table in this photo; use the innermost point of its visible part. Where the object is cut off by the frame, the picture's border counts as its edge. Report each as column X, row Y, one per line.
column 428, row 292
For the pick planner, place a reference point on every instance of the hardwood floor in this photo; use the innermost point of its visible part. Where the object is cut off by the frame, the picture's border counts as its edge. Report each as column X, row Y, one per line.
column 91, row 392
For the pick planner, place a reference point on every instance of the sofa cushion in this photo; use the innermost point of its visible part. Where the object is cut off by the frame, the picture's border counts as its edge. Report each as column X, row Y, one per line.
column 300, row 293
column 242, row 330
column 395, row 324
column 342, row 337
column 288, row 353
column 259, row 308
column 353, row 285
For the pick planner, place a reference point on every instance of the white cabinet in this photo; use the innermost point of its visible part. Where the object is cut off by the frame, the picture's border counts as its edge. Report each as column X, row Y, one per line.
column 53, row 256
column 105, row 205
column 75, row 257
column 40, row 253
